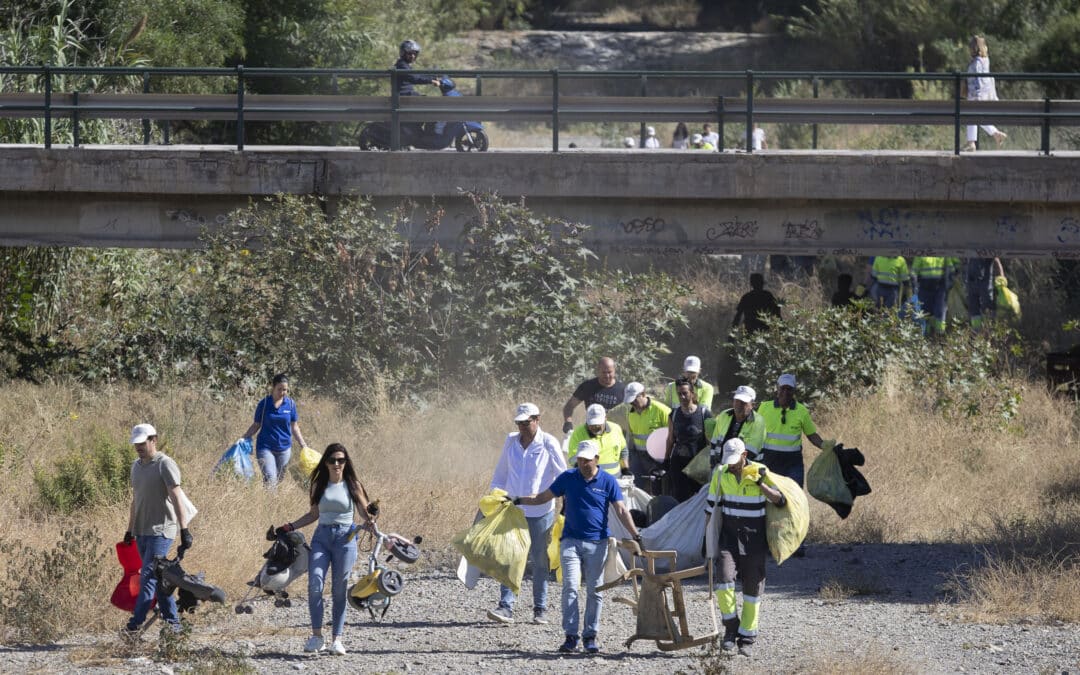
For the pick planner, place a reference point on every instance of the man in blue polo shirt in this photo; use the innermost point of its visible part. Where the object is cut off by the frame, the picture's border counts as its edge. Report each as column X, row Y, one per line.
column 583, row 548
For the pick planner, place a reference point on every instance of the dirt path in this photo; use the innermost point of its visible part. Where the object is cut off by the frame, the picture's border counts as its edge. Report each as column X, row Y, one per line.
column 902, row 622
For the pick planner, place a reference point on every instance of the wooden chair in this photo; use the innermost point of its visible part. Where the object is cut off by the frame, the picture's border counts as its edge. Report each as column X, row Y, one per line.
column 666, row 624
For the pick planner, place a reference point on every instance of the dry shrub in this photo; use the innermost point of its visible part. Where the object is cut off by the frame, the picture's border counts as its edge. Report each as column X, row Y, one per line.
column 870, row 662
column 856, row 583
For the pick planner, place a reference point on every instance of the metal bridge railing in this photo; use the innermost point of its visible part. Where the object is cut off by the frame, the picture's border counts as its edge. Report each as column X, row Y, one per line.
column 556, row 107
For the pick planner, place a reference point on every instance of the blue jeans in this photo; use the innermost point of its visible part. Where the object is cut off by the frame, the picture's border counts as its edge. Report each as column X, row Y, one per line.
column 333, row 547
column 582, row 557
column 539, row 535
column 150, row 546
column 272, row 463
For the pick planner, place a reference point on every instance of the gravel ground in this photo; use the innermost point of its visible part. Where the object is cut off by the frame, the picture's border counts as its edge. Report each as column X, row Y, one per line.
column 902, row 622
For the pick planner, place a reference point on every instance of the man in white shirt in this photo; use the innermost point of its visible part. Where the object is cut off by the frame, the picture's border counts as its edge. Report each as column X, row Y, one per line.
column 758, row 139
column 651, row 141
column 710, row 136
column 531, row 460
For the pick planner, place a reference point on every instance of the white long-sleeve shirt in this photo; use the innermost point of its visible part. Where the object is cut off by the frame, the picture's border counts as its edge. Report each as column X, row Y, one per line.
column 981, row 88
column 529, row 471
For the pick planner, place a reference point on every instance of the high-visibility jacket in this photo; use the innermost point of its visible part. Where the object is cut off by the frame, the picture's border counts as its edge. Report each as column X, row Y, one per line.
column 784, row 427
column 752, row 433
column 702, row 389
column 641, row 424
column 612, row 446
column 742, row 503
column 890, row 271
column 927, row 267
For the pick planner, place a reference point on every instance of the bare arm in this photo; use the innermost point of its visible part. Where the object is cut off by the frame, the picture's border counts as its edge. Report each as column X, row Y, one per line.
column 568, row 409
column 771, row 493
column 131, row 515
column 542, row 498
column 178, row 507
column 815, row 439
column 670, row 436
column 299, row 436
column 308, row 518
column 252, row 430
column 627, row 521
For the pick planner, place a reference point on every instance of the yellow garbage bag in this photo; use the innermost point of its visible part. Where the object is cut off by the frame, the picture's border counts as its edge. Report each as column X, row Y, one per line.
column 786, row 527
column 699, row 468
column 491, row 502
column 308, row 460
column 1008, row 303
column 825, row 480
column 498, row 545
column 554, row 559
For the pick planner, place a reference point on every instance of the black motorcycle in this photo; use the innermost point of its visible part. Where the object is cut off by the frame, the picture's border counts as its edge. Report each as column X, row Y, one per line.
column 465, row 136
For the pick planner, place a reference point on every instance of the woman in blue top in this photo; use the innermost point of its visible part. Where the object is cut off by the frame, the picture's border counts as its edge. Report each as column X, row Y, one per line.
column 335, row 494
column 275, row 422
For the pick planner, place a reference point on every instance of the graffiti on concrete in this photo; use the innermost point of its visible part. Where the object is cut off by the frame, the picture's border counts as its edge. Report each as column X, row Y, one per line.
column 194, row 219
column 806, row 230
column 643, row 225
column 732, row 229
column 900, row 225
column 1070, row 231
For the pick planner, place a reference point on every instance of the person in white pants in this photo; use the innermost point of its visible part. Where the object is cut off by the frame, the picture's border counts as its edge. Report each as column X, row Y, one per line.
column 981, row 88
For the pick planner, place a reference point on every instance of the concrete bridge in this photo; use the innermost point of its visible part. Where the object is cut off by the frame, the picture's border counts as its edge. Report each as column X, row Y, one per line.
column 655, row 203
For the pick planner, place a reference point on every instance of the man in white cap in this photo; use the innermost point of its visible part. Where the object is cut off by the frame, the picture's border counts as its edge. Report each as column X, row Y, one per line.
column 739, row 490
column 614, row 457
column 156, row 517
column 786, row 421
column 738, row 421
column 531, row 459
column 692, row 372
column 651, row 141
column 605, row 389
column 588, row 492
column 645, row 416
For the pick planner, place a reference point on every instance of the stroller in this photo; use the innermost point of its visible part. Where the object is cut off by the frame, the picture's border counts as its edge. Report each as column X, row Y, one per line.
column 376, row 589
column 286, row 561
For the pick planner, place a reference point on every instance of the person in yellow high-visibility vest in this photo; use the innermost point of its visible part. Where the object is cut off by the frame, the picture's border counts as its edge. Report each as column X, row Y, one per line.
column 645, row 416
column 614, row 457
column 692, row 373
column 888, row 275
column 930, row 280
column 738, row 491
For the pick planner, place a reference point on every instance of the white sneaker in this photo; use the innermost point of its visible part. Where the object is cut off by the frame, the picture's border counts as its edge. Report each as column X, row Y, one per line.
column 338, row 648
column 315, row 643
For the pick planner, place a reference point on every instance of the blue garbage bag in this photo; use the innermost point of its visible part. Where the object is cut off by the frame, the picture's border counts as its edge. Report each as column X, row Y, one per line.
column 237, row 457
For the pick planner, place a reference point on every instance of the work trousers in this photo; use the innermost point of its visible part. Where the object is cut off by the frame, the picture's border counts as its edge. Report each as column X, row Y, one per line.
column 751, row 570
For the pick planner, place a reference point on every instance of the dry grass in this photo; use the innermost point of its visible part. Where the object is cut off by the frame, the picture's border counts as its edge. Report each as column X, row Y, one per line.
column 837, row 589
column 933, row 481
column 873, row 661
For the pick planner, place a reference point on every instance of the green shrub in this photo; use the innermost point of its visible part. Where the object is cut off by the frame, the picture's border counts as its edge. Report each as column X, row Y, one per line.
column 837, row 351
column 98, row 475
column 46, row 589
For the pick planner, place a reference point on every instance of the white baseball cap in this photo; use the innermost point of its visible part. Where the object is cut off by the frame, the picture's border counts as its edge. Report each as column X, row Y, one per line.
column 733, row 451
column 141, row 432
column 692, row 364
column 650, row 131
column 786, row 380
column 745, row 394
column 629, row 142
column 587, row 450
column 632, row 391
column 525, row 411
column 595, row 414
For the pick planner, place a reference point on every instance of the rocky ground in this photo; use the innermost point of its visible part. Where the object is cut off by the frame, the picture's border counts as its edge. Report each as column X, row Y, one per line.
column 901, row 620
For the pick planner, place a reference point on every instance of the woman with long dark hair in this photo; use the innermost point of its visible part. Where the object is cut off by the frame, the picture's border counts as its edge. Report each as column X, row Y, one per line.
column 336, row 494
column 276, row 423
column 686, row 437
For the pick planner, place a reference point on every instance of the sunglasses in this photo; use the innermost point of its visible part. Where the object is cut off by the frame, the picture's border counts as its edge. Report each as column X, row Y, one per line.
column 336, row 460
column 523, row 423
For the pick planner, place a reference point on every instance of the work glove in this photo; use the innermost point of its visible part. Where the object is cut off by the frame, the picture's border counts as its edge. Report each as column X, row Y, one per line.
column 567, row 427
column 626, row 471
column 761, row 476
column 128, row 538
column 516, row 501
column 185, row 542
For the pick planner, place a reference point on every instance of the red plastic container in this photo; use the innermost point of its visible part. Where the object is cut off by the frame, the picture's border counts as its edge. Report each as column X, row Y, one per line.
column 127, row 591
